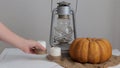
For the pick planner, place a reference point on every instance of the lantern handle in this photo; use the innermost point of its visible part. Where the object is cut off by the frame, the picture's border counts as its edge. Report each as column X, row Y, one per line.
column 51, row 27
column 74, row 25
column 51, row 5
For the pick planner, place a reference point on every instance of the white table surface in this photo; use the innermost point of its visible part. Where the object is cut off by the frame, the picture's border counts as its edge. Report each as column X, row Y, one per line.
column 15, row 58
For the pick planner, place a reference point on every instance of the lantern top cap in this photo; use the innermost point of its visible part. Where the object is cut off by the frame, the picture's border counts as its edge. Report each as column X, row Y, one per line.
column 63, row 3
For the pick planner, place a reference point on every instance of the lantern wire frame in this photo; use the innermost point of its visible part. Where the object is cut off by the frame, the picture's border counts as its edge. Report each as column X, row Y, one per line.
column 73, row 16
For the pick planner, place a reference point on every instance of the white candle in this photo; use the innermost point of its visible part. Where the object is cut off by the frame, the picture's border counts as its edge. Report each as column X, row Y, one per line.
column 55, row 51
column 43, row 43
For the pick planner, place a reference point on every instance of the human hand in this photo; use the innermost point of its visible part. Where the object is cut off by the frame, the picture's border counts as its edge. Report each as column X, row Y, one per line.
column 28, row 45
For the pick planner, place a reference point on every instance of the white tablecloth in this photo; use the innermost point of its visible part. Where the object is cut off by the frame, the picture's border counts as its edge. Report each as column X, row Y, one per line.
column 15, row 58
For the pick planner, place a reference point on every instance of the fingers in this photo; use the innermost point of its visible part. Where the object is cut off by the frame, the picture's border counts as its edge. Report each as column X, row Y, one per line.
column 32, row 47
column 37, row 48
column 40, row 46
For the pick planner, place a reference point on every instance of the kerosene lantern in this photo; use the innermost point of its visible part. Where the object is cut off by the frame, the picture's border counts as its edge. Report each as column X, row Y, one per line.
column 63, row 29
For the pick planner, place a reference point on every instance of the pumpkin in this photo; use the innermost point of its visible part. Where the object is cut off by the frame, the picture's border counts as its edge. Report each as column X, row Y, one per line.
column 91, row 50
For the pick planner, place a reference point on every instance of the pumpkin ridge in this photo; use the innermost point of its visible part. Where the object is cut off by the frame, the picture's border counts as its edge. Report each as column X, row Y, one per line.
column 103, row 51
column 96, row 57
column 108, row 47
column 84, row 48
column 96, row 41
column 107, row 42
column 88, row 49
column 100, row 50
column 79, row 50
column 89, row 55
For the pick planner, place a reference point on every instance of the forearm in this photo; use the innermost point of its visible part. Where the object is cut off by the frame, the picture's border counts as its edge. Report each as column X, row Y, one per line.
column 10, row 37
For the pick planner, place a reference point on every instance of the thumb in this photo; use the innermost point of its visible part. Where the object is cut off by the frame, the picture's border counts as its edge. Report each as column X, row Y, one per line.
column 27, row 50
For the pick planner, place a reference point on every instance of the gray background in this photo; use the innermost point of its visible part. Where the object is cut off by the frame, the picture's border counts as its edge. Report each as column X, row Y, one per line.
column 31, row 19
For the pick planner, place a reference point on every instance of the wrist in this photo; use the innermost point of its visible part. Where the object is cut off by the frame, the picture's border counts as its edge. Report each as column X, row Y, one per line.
column 21, row 42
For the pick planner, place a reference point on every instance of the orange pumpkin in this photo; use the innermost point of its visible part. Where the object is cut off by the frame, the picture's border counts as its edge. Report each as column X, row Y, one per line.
column 90, row 50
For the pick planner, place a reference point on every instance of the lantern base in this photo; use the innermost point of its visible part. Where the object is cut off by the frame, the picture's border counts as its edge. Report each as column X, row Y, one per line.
column 64, row 49
column 65, row 53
